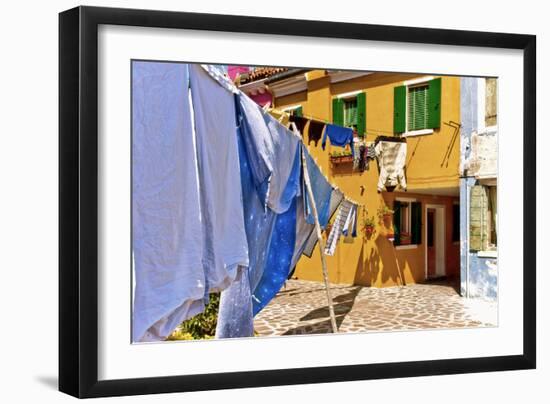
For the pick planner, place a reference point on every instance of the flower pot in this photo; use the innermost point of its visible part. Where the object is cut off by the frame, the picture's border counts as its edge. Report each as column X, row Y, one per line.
column 387, row 219
column 341, row 159
column 369, row 230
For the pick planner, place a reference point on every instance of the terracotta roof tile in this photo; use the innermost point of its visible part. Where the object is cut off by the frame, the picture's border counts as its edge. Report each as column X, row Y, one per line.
column 260, row 73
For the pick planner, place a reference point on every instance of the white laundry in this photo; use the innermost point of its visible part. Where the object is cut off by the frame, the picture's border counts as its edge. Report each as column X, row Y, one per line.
column 343, row 218
column 391, row 159
column 225, row 245
column 166, row 228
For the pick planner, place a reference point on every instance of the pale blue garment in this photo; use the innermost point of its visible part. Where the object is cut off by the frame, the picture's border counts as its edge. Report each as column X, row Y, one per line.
column 322, row 191
column 335, row 199
column 303, row 231
column 235, row 317
column 284, row 183
column 272, row 149
column 281, row 250
column 166, row 229
column 270, row 236
column 339, row 136
column 225, row 244
column 235, row 312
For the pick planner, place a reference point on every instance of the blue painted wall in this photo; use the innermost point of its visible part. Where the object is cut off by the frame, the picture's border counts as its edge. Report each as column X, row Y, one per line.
column 478, row 275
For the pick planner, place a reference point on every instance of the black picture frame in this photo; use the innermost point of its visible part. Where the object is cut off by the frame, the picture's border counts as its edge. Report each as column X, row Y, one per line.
column 78, row 200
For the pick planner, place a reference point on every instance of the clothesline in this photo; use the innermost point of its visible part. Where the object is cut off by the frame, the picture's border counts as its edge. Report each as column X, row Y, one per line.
column 335, row 187
column 233, row 88
column 326, row 122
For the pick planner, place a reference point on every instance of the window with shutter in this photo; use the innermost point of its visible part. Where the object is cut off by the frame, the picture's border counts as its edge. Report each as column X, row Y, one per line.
column 350, row 112
column 418, row 108
column 407, row 220
column 338, row 111
column 434, row 103
column 361, row 114
column 478, row 217
column 397, row 219
column 399, row 108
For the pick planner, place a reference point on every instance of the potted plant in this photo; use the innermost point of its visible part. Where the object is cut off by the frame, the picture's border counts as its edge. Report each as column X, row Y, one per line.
column 385, row 214
column 339, row 157
column 369, row 226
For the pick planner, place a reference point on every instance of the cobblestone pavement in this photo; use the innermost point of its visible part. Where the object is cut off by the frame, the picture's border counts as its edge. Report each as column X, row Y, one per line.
column 301, row 308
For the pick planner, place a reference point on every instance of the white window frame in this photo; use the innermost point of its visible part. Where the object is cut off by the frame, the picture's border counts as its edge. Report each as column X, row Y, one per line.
column 409, row 201
column 352, row 95
column 409, row 84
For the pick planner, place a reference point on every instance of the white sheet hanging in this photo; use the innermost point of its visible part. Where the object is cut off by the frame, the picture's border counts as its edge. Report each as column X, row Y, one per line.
column 166, row 229
column 224, row 239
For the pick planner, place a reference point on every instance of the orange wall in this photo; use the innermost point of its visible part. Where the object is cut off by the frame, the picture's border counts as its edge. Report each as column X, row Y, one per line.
column 432, row 163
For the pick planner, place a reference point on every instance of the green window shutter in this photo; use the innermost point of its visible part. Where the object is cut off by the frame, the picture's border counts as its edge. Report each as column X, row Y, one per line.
column 338, row 111
column 350, row 112
column 416, row 223
column 399, row 108
column 478, row 217
column 397, row 222
column 361, row 114
column 434, row 103
column 418, row 108
column 298, row 111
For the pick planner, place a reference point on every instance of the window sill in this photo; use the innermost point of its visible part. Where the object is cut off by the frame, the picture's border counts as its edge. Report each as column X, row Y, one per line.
column 406, row 247
column 487, row 254
column 420, row 132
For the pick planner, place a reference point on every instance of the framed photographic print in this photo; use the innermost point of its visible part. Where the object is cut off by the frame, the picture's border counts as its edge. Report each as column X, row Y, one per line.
column 251, row 201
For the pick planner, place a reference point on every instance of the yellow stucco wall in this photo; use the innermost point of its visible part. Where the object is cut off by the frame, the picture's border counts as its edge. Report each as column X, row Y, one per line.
column 432, row 163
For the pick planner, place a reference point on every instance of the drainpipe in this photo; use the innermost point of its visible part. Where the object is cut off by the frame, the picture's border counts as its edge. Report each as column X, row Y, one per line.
column 467, row 239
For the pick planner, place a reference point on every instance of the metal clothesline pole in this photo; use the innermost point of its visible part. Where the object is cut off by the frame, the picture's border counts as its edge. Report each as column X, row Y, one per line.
column 321, row 243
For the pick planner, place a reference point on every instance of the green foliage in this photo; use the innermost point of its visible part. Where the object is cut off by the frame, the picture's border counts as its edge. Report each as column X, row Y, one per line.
column 369, row 222
column 201, row 326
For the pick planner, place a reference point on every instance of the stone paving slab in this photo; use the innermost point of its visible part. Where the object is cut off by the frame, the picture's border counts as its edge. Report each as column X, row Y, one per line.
column 301, row 308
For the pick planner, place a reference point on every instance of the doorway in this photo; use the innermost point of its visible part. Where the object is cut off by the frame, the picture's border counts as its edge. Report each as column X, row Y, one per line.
column 435, row 241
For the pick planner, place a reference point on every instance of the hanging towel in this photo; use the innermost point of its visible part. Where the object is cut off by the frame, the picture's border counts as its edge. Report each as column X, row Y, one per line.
column 300, row 122
column 391, row 159
column 274, row 148
column 224, row 237
column 335, row 199
column 350, row 227
column 303, row 231
column 166, row 228
column 371, row 152
column 284, row 183
column 315, row 132
column 322, row 191
column 345, row 212
column 338, row 135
